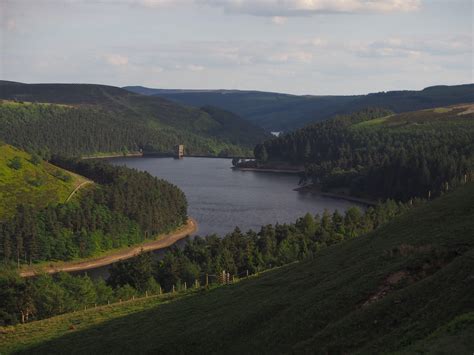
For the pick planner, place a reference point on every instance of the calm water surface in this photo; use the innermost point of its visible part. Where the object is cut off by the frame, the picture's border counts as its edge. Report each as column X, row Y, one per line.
column 220, row 198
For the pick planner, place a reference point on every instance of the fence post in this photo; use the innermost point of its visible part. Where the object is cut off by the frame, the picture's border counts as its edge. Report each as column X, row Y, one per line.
column 146, row 294
column 160, row 290
column 228, row 278
column 247, row 273
column 185, row 286
column 465, row 178
column 173, row 289
column 196, row 283
column 108, row 302
column 429, row 194
column 223, row 277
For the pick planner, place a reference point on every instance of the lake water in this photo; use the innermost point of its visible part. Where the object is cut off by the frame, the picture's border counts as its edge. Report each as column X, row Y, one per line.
column 220, row 198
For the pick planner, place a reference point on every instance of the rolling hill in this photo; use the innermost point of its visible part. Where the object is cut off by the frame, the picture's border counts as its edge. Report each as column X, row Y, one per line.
column 376, row 153
column 83, row 119
column 404, row 288
column 28, row 179
column 283, row 112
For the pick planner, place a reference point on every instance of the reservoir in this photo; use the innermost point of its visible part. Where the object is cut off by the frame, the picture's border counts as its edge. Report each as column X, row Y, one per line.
column 220, row 198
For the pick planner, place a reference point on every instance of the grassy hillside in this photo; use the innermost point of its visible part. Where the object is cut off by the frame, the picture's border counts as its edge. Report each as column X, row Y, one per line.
column 276, row 112
column 28, row 180
column 100, row 118
column 405, row 288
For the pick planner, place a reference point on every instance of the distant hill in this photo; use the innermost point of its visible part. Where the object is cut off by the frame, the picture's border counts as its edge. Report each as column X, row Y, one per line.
column 379, row 154
column 26, row 179
column 283, row 112
column 99, row 118
column 404, row 288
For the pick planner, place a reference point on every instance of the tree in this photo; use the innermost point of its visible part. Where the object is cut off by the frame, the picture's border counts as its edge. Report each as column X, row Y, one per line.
column 260, row 153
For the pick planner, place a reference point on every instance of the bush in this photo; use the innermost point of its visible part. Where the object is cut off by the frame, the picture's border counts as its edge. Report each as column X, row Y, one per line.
column 15, row 163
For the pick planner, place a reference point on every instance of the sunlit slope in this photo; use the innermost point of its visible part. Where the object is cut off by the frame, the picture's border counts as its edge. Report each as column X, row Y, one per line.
column 29, row 180
column 394, row 290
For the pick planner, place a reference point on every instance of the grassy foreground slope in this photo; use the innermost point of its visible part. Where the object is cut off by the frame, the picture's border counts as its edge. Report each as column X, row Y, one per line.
column 403, row 288
column 24, row 179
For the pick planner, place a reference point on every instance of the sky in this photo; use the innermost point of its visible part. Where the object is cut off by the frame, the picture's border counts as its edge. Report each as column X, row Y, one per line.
column 318, row 47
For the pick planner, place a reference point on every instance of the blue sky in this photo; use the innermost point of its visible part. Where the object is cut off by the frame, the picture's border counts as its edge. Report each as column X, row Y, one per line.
column 295, row 46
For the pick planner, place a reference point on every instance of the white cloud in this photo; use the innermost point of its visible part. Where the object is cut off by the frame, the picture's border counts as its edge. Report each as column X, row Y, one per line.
column 193, row 67
column 278, row 8
column 116, row 59
column 279, row 20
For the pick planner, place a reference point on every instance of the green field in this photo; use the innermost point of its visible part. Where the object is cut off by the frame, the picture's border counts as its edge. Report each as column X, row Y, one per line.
column 405, row 288
column 31, row 182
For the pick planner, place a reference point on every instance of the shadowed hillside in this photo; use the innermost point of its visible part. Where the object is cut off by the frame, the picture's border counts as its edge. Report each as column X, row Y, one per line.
column 88, row 119
column 277, row 112
column 406, row 287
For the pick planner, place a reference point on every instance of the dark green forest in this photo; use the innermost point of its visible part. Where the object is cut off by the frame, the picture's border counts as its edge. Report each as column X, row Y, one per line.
column 75, row 120
column 237, row 253
column 125, row 207
column 284, row 112
column 381, row 155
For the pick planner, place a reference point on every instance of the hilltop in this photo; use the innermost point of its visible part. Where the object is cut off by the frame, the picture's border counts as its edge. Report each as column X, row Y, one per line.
column 85, row 119
column 284, row 112
column 406, row 287
column 376, row 153
column 26, row 179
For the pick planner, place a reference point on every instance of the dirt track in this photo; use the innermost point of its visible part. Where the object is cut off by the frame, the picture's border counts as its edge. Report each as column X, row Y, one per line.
column 164, row 241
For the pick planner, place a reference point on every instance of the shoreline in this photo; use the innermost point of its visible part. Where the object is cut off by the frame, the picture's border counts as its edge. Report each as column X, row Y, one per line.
column 162, row 241
column 269, row 170
column 314, row 189
column 112, row 155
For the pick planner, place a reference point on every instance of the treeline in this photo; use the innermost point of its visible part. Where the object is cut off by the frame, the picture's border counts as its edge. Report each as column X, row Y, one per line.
column 50, row 129
column 237, row 253
column 124, row 208
column 371, row 154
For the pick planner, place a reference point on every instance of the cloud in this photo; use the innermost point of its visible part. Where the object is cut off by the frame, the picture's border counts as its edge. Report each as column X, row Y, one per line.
column 284, row 8
column 193, row 67
column 279, row 20
column 276, row 9
column 116, row 59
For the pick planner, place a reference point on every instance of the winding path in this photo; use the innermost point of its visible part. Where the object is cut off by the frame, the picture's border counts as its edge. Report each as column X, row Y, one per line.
column 163, row 241
column 77, row 189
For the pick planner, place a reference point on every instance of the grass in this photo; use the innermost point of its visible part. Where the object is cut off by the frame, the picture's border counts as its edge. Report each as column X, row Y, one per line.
column 402, row 288
column 38, row 184
column 369, row 123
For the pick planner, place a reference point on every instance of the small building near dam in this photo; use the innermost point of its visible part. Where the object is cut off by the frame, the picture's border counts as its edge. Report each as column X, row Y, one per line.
column 179, row 151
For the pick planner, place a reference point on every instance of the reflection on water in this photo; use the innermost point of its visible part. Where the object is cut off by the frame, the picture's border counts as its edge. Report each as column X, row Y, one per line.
column 220, row 198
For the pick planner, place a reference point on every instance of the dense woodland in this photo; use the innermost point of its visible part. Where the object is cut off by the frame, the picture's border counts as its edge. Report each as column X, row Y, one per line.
column 125, row 207
column 371, row 153
column 284, row 112
column 84, row 119
column 74, row 131
column 237, row 253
